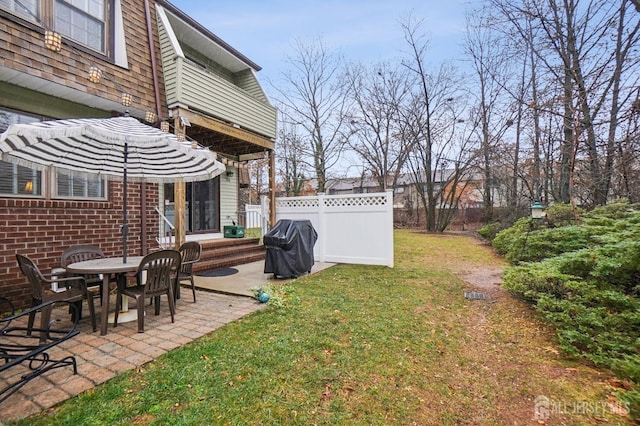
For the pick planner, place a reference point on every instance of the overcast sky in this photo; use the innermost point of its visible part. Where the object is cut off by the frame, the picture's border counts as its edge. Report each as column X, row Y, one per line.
column 361, row 30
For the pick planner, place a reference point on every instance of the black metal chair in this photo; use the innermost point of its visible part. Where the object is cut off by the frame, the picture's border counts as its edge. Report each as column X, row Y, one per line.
column 191, row 252
column 75, row 291
column 155, row 276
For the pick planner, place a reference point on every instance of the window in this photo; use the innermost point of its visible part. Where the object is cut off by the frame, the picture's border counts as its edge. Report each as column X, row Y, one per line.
column 18, row 180
column 28, row 9
column 83, row 21
column 21, row 181
column 75, row 186
column 14, row 179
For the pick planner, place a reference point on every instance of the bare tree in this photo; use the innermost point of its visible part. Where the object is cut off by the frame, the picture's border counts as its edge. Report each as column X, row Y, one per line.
column 374, row 126
column 586, row 49
column 290, row 154
column 314, row 97
column 258, row 172
column 428, row 123
column 493, row 108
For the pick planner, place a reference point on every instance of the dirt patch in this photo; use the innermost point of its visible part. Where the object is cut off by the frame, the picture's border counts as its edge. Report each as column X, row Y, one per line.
column 484, row 279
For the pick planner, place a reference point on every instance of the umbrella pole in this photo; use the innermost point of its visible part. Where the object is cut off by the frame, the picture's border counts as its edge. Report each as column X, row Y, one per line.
column 125, row 228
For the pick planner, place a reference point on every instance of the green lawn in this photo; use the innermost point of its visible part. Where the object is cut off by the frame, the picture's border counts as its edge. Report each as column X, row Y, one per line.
column 362, row 345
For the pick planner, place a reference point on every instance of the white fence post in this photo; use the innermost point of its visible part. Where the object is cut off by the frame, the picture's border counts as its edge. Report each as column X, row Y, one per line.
column 388, row 228
column 264, row 203
column 322, row 235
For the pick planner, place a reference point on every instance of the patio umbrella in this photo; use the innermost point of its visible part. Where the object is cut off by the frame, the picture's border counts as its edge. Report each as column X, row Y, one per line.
column 110, row 148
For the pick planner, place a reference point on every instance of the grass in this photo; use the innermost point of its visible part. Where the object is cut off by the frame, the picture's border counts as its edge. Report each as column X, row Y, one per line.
column 363, row 345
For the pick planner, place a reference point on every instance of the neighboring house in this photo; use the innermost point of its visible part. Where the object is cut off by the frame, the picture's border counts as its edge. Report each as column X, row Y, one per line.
column 166, row 64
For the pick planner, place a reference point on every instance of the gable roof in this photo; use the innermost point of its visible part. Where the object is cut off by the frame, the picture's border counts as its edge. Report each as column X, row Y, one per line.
column 203, row 40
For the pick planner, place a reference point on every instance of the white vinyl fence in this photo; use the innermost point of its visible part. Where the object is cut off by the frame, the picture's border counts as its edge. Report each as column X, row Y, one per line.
column 353, row 228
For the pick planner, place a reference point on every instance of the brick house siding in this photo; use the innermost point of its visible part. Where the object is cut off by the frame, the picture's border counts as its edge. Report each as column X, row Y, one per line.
column 42, row 229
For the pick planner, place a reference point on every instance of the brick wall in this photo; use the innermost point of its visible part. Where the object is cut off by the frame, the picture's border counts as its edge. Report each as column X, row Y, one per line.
column 42, row 229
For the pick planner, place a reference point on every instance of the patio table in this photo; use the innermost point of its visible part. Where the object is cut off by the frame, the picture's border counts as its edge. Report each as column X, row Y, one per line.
column 105, row 266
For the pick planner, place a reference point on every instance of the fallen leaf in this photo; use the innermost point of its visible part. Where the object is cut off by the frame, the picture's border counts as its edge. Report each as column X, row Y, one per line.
column 620, row 384
column 327, row 392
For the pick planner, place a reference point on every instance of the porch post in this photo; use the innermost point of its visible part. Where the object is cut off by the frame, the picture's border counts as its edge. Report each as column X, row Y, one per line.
column 179, row 197
column 272, row 188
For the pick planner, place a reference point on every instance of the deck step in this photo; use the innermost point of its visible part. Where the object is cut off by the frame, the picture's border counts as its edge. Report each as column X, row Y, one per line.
column 226, row 252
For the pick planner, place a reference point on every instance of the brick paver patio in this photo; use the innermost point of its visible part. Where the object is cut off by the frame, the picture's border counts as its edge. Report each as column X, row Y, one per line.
column 101, row 358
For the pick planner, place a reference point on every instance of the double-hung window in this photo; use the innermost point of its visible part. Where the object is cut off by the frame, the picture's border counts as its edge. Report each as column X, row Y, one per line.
column 84, row 21
column 20, row 181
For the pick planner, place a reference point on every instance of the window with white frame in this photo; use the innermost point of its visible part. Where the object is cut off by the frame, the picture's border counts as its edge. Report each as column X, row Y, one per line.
column 16, row 180
column 84, row 21
column 27, row 9
column 19, row 180
column 70, row 185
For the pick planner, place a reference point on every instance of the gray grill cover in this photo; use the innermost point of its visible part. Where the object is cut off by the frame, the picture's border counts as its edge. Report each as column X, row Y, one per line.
column 290, row 248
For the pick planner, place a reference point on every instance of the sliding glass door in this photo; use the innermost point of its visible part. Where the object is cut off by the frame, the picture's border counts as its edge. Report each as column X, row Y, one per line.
column 202, row 209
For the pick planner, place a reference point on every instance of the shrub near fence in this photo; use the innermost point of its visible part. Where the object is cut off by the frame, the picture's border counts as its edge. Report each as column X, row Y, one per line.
column 584, row 280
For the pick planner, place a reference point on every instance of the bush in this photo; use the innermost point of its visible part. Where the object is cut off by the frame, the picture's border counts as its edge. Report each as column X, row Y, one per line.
column 584, row 279
column 530, row 241
column 489, row 231
column 562, row 215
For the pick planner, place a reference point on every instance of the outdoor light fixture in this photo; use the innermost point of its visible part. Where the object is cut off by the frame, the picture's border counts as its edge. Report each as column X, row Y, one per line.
column 164, row 126
column 127, row 99
column 150, row 117
column 95, row 74
column 194, row 144
column 180, row 136
column 537, row 211
column 53, row 41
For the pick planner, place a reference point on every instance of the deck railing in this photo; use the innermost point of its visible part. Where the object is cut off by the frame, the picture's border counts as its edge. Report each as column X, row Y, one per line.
column 166, row 231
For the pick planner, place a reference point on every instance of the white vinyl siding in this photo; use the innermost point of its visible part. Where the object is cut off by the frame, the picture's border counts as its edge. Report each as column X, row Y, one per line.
column 241, row 101
column 228, row 198
column 205, row 91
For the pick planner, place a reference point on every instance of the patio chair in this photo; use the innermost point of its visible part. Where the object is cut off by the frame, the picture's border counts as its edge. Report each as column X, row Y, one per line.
column 190, row 251
column 80, row 253
column 76, row 291
column 155, row 276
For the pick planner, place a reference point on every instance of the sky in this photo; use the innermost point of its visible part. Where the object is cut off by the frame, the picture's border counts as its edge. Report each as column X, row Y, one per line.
column 366, row 31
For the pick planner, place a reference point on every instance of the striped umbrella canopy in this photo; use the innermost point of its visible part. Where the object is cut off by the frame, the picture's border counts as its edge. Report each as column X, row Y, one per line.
column 110, row 148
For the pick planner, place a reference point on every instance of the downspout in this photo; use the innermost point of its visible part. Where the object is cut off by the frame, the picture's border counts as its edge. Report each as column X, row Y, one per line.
column 156, row 90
